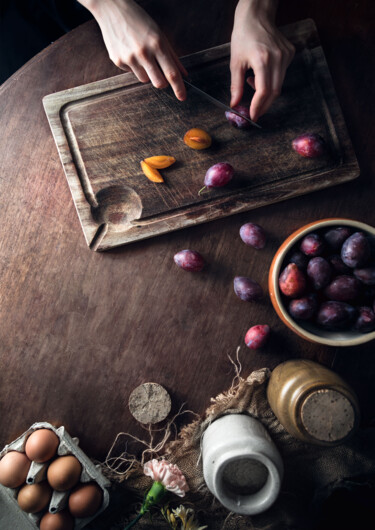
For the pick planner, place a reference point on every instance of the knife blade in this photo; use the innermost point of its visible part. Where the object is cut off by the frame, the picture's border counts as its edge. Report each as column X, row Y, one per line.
column 219, row 103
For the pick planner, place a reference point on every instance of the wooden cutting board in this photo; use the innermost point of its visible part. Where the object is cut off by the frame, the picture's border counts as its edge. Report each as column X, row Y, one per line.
column 104, row 129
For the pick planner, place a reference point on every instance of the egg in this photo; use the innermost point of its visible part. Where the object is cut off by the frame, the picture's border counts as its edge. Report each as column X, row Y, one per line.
column 57, row 521
column 33, row 498
column 14, row 467
column 85, row 500
column 64, row 473
column 42, row 445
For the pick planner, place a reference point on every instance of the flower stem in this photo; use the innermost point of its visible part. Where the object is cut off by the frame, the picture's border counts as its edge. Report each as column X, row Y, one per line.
column 133, row 522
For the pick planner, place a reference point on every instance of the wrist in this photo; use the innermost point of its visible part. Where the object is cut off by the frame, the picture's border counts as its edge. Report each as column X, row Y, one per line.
column 259, row 9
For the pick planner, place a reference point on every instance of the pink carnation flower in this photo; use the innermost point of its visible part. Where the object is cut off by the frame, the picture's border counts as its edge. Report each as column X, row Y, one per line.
column 168, row 474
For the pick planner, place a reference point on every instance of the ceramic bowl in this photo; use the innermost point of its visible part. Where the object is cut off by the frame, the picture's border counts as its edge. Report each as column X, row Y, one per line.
column 308, row 330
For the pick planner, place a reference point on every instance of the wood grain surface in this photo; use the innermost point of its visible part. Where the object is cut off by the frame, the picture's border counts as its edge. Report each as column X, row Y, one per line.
column 80, row 330
column 103, row 130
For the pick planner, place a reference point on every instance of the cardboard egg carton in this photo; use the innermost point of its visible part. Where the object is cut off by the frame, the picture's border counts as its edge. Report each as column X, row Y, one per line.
column 38, row 472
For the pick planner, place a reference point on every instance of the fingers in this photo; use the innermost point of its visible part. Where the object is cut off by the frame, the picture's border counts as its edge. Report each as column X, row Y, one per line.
column 237, row 82
column 173, row 71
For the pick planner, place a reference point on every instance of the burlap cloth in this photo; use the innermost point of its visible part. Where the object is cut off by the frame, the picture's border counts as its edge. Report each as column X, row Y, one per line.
column 311, row 472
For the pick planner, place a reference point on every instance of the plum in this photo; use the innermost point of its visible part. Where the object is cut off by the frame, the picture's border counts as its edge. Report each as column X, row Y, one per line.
column 309, row 145
column 218, row 175
column 367, row 276
column 257, row 336
column 303, row 308
column 343, row 288
column 236, row 120
column 300, row 259
column 247, row 289
column 355, row 250
column 365, row 321
column 292, row 281
column 253, row 235
column 189, row 260
column 338, row 265
column 312, row 245
column 319, row 271
column 335, row 237
column 333, row 314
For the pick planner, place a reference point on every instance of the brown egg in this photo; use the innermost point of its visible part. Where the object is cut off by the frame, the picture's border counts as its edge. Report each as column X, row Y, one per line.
column 42, row 445
column 85, row 500
column 57, row 521
column 64, row 472
column 14, row 467
column 34, row 497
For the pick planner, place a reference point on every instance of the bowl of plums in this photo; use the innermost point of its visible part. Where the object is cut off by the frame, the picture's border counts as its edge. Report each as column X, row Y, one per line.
column 322, row 282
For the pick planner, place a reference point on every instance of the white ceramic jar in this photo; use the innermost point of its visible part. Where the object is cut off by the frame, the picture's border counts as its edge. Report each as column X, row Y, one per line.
column 241, row 465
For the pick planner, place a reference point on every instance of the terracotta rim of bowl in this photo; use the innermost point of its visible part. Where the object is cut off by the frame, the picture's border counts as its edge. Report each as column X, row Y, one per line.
column 273, row 284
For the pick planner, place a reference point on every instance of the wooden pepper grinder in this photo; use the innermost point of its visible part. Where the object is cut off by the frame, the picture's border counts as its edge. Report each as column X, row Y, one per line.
column 312, row 402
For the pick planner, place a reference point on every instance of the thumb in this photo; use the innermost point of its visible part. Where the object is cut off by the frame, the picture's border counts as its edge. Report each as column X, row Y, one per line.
column 237, row 83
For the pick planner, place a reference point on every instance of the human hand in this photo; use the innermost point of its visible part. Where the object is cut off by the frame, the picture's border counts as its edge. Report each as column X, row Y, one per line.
column 257, row 43
column 135, row 42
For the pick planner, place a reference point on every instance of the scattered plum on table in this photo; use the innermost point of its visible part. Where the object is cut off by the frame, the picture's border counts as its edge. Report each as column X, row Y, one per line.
column 355, row 251
column 257, row 336
column 335, row 315
column 253, row 235
column 189, row 260
column 303, row 308
column 292, row 281
column 218, row 175
column 247, row 289
column 236, row 120
column 312, row 245
column 319, row 271
column 366, row 320
column 309, row 145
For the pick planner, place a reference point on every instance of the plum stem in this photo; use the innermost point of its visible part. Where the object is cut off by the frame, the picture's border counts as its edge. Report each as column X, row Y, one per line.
column 201, row 190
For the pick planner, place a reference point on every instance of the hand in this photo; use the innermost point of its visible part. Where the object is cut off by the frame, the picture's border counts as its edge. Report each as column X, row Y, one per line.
column 135, row 42
column 256, row 43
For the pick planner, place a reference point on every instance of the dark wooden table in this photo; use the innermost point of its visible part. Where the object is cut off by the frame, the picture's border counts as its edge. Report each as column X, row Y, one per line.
column 80, row 330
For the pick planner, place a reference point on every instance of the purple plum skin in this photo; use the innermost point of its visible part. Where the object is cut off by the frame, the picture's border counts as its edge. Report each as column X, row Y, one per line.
column 336, row 236
column 257, row 336
column 366, row 276
column 237, row 121
column 355, row 251
column 309, row 145
column 343, row 288
column 218, row 175
column 312, row 245
column 189, row 260
column 253, row 235
column 335, row 315
column 247, row 289
column 303, row 308
column 366, row 320
column 319, row 271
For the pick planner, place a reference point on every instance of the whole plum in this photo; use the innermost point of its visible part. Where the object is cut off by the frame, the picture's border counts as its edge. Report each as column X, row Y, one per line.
column 247, row 289
column 253, row 235
column 303, row 308
column 355, row 250
column 218, row 175
column 312, row 245
column 338, row 265
column 336, row 236
column 366, row 320
column 309, row 145
column 236, row 120
column 189, row 260
column 319, row 271
column 257, row 336
column 343, row 288
column 292, row 281
column 367, row 276
column 300, row 259
column 333, row 315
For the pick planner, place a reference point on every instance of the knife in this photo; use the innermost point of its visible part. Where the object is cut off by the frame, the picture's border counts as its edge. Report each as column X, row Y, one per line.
column 219, row 103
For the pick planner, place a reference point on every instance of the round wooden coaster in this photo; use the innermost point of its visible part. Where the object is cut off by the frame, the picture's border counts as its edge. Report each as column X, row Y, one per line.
column 150, row 403
column 327, row 415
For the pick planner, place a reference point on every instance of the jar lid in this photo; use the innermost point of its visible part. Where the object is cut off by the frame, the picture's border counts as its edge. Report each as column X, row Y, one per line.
column 328, row 415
